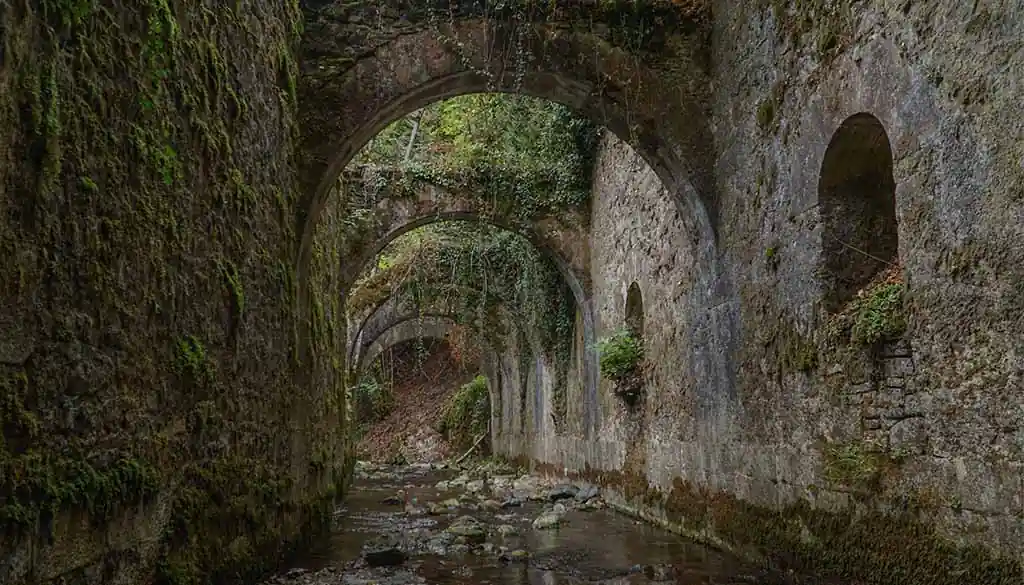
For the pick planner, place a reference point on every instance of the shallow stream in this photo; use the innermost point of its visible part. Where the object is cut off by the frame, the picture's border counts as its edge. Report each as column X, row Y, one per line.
column 404, row 518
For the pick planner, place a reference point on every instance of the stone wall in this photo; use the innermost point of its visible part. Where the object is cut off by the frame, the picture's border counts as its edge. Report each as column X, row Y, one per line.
column 149, row 393
column 893, row 462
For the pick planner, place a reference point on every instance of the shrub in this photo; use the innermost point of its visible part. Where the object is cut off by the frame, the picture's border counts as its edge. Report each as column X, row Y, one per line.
column 467, row 414
column 373, row 400
column 621, row 354
column 879, row 315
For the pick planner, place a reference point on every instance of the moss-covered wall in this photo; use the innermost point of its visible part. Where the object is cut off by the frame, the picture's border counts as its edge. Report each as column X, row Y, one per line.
column 149, row 393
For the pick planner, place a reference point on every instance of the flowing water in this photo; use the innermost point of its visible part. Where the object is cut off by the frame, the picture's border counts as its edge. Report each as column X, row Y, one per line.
column 591, row 544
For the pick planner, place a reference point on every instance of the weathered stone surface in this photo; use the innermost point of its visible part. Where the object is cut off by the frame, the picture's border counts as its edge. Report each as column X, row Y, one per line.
column 172, row 294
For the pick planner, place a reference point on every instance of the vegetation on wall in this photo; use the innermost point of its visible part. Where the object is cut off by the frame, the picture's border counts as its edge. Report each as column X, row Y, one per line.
column 473, row 269
column 147, row 161
column 467, row 414
column 526, row 155
column 876, row 314
column 621, row 356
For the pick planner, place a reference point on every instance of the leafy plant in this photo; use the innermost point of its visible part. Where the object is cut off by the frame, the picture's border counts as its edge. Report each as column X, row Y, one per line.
column 876, row 314
column 374, row 400
column 467, row 414
column 879, row 315
column 856, row 464
column 621, row 354
column 534, row 155
column 192, row 361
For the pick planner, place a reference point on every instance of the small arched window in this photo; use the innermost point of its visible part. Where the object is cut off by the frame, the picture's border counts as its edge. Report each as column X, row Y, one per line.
column 857, row 198
column 635, row 311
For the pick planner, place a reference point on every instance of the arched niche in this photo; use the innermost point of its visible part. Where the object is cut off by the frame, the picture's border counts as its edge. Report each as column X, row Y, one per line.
column 635, row 311
column 857, row 200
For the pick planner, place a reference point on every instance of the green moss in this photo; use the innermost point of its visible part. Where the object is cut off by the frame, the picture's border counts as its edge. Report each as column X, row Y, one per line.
column 856, row 465
column 226, row 521
column 878, row 315
column 16, row 421
column 798, row 353
column 35, row 486
column 467, row 414
column 191, row 361
column 235, row 289
column 850, row 544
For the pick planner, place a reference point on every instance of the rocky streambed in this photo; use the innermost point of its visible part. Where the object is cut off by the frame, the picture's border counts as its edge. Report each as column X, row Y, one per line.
column 423, row 523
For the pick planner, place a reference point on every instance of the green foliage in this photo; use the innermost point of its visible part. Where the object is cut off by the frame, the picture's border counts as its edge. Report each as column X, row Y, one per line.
column 36, row 485
column 234, row 284
column 621, row 354
column 530, row 155
column 474, row 269
column 467, row 414
column 766, row 115
column 373, row 400
column 192, row 361
column 878, row 315
column 857, row 465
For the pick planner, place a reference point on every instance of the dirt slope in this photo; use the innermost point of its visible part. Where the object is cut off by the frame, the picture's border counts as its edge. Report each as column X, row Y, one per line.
column 421, row 388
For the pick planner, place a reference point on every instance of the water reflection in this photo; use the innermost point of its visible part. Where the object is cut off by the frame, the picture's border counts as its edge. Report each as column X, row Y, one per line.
column 598, row 546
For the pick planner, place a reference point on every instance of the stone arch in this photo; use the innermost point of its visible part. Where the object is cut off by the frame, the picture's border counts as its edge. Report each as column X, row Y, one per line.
column 857, row 200
column 635, row 311
column 395, row 215
column 649, row 88
column 404, row 329
column 573, row 268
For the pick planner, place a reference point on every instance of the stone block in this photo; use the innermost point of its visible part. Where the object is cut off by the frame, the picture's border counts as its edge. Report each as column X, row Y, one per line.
column 899, row 366
column 910, row 435
column 896, row 382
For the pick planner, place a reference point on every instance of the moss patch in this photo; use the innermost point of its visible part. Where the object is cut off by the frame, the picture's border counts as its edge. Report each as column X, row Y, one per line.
column 852, row 543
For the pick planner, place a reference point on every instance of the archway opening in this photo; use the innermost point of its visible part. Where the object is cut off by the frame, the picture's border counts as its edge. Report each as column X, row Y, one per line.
column 635, row 311
column 857, row 197
column 476, row 274
column 421, row 399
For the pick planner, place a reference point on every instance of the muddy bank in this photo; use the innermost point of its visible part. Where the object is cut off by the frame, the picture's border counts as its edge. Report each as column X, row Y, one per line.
column 424, row 524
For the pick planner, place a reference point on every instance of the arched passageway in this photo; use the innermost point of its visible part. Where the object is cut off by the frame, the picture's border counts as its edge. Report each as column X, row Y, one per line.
column 646, row 86
column 395, row 209
column 411, row 299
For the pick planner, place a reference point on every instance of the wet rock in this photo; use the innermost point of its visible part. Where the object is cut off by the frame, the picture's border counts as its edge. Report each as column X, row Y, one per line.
column 562, row 492
column 395, row 500
column 468, row 528
column 525, row 483
column 439, row 543
column 507, row 530
column 383, row 552
column 414, row 510
column 515, row 556
column 458, row 549
column 491, row 505
column 586, row 492
column 511, row 503
column 501, row 483
column 488, row 548
column 295, row 573
column 547, row 520
column 659, row 572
